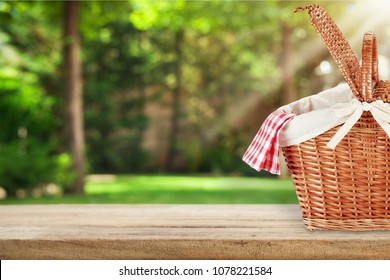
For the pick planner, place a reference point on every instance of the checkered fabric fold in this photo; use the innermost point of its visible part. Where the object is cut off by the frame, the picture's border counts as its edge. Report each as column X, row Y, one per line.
column 263, row 152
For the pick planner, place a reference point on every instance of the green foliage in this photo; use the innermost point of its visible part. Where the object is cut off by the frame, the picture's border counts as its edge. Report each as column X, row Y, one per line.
column 27, row 159
column 26, row 136
column 132, row 64
column 29, row 150
column 30, row 165
column 114, row 117
column 228, row 49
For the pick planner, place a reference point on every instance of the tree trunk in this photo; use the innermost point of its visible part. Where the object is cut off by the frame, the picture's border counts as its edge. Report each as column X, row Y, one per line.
column 176, row 93
column 288, row 87
column 289, row 91
column 141, row 101
column 74, row 124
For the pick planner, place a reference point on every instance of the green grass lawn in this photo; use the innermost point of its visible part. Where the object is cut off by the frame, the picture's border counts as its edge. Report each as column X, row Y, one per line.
column 175, row 189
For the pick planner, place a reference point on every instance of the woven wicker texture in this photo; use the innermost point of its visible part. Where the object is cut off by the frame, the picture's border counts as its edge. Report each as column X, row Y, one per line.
column 346, row 188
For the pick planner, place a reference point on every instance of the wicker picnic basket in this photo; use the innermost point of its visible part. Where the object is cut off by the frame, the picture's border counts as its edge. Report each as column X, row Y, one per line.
column 346, row 188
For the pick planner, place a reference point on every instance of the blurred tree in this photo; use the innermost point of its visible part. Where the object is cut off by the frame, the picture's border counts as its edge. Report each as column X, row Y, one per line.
column 146, row 15
column 118, row 65
column 74, row 116
column 210, row 57
column 30, row 156
column 287, row 65
column 203, row 74
column 176, row 102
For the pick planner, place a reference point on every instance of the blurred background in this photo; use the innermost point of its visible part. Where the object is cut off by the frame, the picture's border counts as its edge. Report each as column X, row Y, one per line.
column 147, row 101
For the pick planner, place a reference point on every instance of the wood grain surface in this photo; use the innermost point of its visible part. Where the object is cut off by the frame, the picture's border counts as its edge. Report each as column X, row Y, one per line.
column 176, row 232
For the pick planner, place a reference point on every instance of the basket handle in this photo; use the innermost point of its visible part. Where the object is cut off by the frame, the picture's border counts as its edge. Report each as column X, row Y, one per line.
column 338, row 46
column 369, row 70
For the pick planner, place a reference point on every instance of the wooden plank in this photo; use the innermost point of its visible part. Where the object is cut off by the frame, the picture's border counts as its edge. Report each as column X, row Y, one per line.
column 176, row 232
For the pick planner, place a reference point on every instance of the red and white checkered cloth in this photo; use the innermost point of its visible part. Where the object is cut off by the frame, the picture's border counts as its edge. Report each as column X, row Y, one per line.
column 263, row 152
